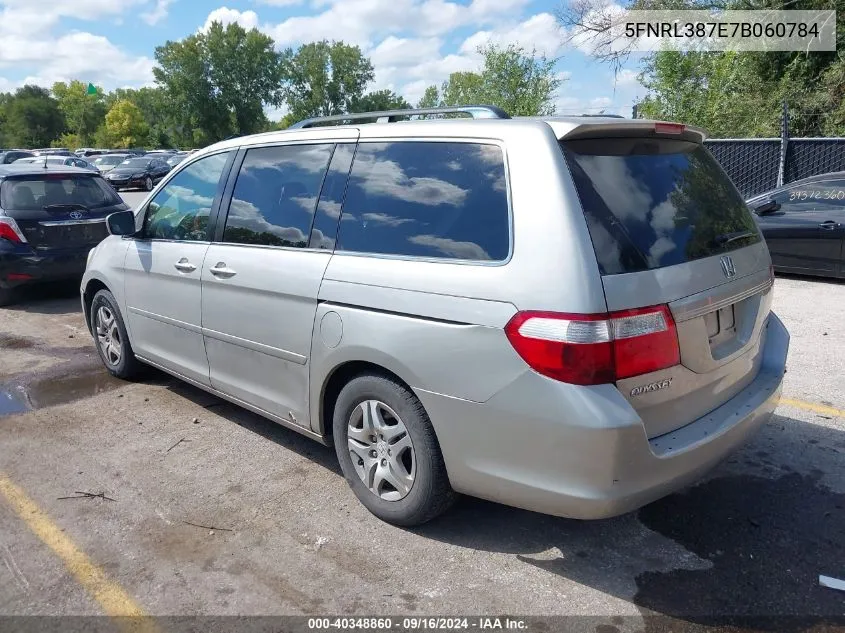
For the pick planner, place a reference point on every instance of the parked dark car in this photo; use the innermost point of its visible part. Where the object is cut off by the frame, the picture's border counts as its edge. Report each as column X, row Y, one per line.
column 140, row 172
column 804, row 225
column 50, row 218
column 10, row 156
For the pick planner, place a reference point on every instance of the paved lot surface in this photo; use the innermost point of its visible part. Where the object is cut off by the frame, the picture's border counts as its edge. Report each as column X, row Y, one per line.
column 289, row 537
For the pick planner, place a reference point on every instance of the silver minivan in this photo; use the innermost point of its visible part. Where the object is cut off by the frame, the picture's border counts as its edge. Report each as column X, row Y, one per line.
column 568, row 315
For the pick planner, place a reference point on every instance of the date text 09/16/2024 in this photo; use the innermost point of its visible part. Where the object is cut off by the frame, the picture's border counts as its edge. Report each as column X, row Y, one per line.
column 420, row 623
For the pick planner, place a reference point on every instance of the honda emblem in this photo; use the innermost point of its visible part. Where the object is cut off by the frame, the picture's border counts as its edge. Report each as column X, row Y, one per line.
column 728, row 266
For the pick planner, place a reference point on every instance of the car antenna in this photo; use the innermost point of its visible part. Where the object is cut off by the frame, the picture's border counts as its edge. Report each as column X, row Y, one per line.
column 45, row 161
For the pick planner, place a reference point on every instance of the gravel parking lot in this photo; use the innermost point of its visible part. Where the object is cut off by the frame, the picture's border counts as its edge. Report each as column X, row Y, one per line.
column 213, row 510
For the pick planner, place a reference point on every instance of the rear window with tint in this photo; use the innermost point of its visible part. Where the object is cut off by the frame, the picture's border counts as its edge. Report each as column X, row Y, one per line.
column 654, row 203
column 427, row 199
column 34, row 193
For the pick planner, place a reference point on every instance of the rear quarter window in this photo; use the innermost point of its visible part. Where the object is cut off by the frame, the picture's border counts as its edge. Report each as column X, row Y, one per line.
column 652, row 203
column 427, row 199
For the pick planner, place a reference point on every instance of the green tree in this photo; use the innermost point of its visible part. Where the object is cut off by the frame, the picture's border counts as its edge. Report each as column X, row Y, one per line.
column 83, row 113
column 520, row 82
column 325, row 78
column 729, row 93
column 246, row 73
column 430, row 98
column 183, row 73
column 33, row 118
column 379, row 101
column 217, row 83
column 125, row 125
column 463, row 88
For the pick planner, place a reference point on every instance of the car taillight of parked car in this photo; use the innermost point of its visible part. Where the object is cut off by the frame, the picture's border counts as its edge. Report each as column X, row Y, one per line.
column 9, row 230
column 593, row 349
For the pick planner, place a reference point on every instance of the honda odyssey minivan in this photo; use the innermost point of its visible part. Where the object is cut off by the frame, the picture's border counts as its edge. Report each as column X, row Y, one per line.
column 568, row 315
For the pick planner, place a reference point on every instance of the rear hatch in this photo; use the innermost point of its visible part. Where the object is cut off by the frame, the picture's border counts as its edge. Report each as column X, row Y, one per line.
column 670, row 229
column 59, row 211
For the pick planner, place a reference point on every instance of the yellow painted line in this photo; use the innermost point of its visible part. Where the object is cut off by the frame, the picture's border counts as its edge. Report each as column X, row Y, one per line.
column 111, row 597
column 815, row 408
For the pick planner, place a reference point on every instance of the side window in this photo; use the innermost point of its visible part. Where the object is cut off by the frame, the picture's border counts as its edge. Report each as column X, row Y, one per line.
column 275, row 195
column 827, row 196
column 182, row 209
column 427, row 199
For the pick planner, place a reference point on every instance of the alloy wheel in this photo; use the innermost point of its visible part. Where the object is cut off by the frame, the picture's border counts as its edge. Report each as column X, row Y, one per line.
column 108, row 335
column 381, row 450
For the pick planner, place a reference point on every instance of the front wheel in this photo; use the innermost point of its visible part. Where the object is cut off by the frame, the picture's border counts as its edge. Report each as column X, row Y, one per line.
column 148, row 184
column 389, row 453
column 110, row 336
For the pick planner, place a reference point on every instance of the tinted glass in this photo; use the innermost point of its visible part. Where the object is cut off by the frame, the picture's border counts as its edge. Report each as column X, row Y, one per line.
column 35, row 193
column 324, row 230
column 109, row 160
column 181, row 210
column 820, row 197
column 654, row 203
column 275, row 195
column 426, row 199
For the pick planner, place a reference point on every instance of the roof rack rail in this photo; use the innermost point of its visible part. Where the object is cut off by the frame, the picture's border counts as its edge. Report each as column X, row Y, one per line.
column 606, row 116
column 389, row 116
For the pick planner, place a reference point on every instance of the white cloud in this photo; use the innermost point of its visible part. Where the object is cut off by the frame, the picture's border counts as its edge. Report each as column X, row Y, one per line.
column 364, row 21
column 225, row 15
column 157, row 13
column 539, row 32
column 28, row 44
column 59, row 60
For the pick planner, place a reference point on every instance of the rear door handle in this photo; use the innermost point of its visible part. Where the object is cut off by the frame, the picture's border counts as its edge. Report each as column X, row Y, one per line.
column 184, row 266
column 829, row 225
column 220, row 270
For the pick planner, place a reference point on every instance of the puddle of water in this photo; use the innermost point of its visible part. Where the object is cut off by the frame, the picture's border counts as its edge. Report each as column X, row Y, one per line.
column 63, row 389
column 11, row 402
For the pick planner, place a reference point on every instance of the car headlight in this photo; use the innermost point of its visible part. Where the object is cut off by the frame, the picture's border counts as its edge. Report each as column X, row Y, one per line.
column 137, row 175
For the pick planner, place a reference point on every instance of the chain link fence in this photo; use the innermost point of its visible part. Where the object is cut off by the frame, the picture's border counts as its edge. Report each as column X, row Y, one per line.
column 752, row 164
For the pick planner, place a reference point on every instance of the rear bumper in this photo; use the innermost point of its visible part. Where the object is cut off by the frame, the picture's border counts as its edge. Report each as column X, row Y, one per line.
column 583, row 452
column 21, row 265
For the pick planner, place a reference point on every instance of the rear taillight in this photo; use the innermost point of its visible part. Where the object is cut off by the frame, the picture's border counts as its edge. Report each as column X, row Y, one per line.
column 9, row 230
column 592, row 349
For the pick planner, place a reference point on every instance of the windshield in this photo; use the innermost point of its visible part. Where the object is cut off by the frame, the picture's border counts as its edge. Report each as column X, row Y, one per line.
column 653, row 203
column 109, row 160
column 136, row 163
column 34, row 193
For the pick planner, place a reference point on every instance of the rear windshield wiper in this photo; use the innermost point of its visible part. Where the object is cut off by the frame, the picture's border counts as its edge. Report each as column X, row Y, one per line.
column 69, row 206
column 727, row 238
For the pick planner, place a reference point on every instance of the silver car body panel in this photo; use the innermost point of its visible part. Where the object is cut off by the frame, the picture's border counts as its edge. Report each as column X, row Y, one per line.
column 272, row 341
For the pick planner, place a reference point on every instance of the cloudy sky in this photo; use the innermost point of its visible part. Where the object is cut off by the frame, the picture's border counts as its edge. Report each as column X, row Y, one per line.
column 412, row 43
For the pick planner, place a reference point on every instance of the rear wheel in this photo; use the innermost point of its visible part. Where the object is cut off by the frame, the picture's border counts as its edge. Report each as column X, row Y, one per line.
column 148, row 184
column 110, row 336
column 389, row 453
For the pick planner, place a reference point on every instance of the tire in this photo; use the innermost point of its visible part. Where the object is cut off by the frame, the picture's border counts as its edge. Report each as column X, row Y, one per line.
column 122, row 362
column 148, row 184
column 429, row 493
